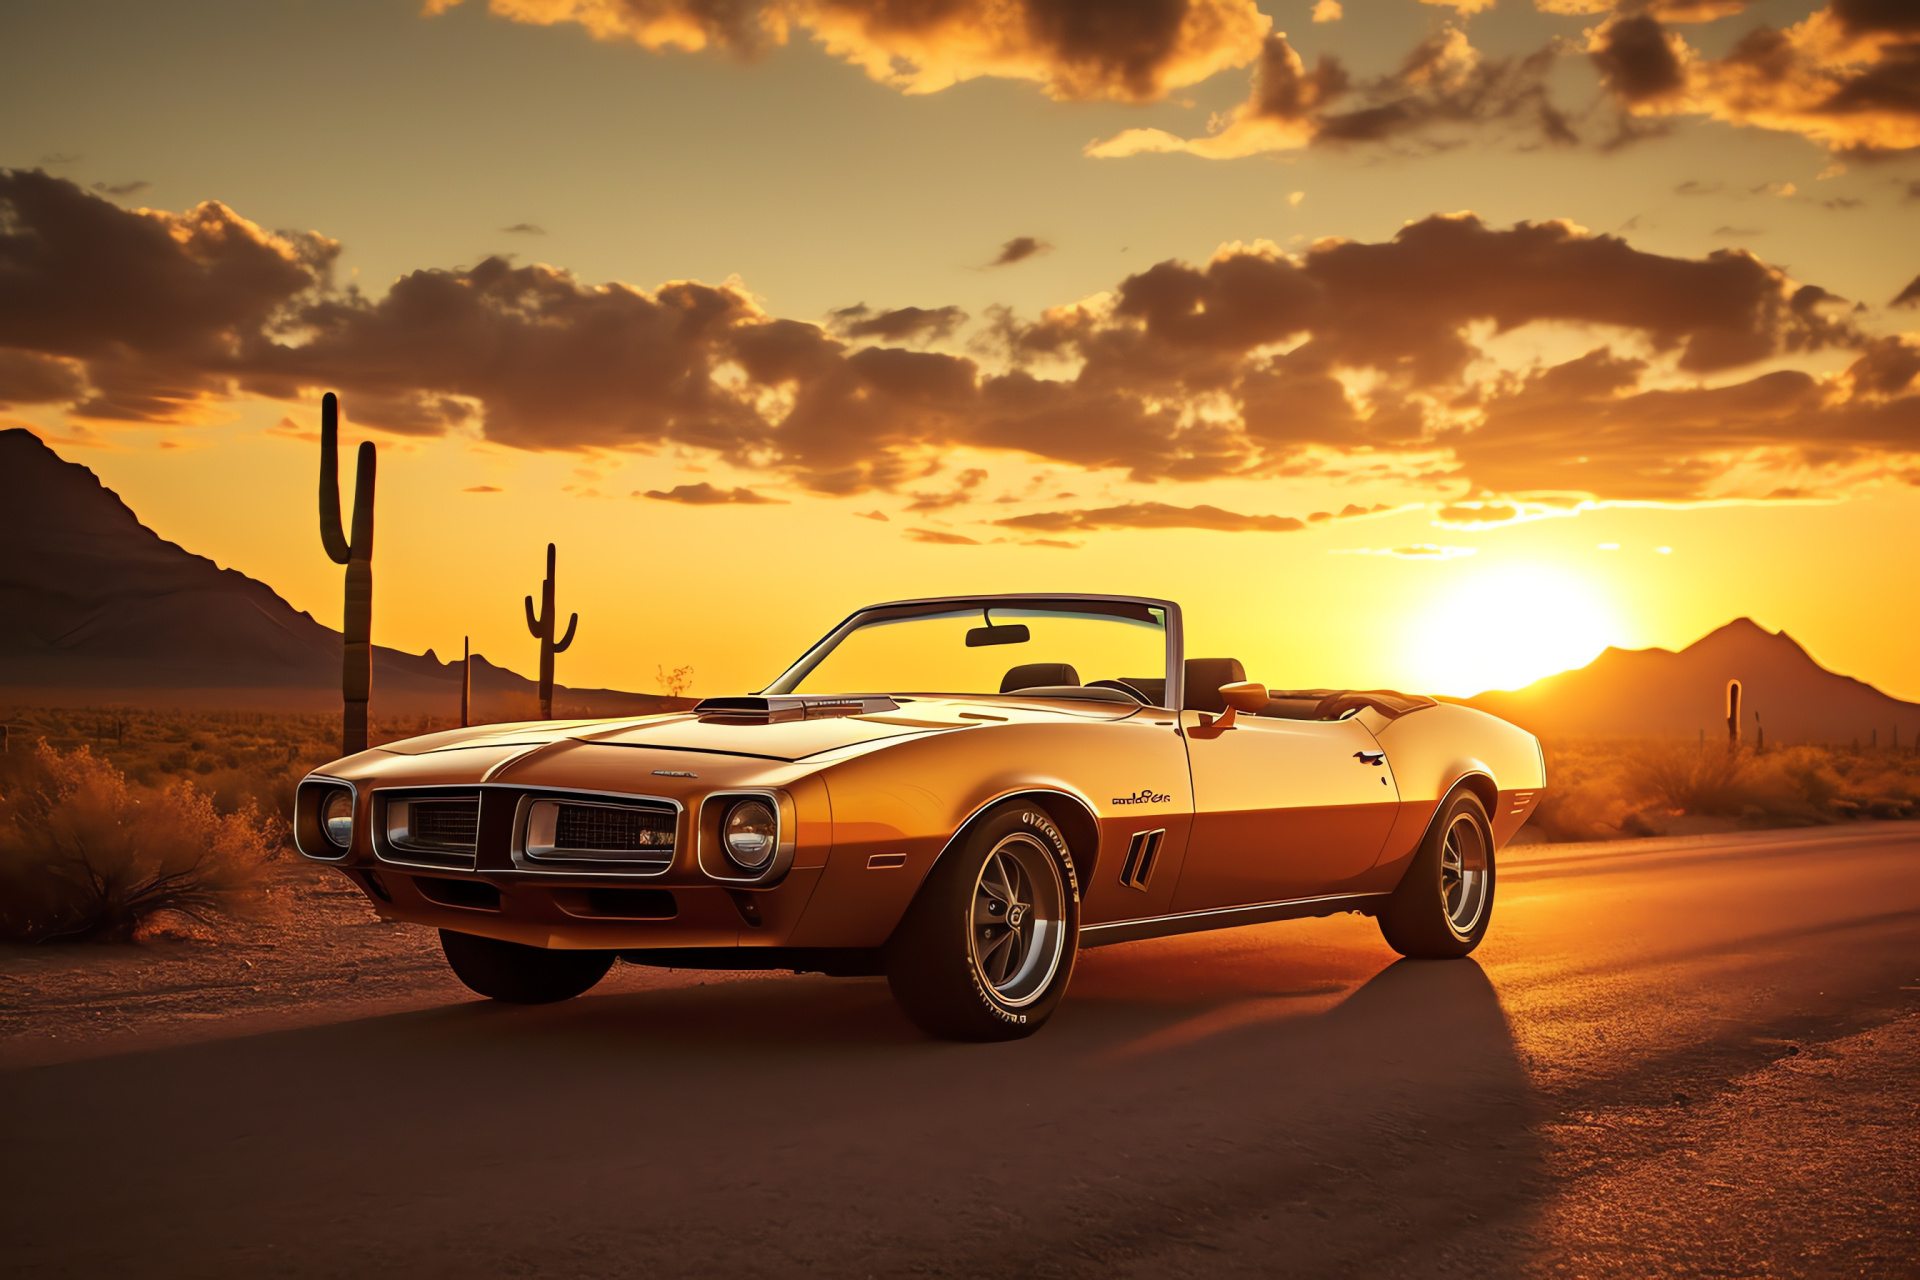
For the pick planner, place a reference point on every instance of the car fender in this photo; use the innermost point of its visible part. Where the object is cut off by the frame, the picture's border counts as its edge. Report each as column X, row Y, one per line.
column 1437, row 749
column 896, row 812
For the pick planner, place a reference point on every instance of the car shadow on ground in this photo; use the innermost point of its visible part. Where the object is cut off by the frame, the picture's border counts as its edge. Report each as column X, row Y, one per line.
column 1261, row 1112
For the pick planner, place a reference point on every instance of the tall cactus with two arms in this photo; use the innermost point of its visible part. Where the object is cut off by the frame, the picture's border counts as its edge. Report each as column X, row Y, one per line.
column 356, row 663
column 542, row 627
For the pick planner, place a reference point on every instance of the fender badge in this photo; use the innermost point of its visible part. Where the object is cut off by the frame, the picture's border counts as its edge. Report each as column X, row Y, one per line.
column 673, row 773
column 1145, row 796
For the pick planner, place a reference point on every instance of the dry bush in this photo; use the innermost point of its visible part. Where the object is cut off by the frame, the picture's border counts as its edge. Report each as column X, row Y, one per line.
column 1599, row 789
column 86, row 855
column 1585, row 797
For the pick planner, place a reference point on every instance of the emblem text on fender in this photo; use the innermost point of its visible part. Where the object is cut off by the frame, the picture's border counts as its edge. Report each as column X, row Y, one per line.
column 1146, row 796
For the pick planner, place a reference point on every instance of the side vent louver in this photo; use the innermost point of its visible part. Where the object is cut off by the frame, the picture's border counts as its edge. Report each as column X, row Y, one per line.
column 1142, row 852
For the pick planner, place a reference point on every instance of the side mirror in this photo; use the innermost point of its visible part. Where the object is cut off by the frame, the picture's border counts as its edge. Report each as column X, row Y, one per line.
column 1248, row 696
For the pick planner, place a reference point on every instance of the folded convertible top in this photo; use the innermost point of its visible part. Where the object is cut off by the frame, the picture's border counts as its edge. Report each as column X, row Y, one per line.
column 1332, row 704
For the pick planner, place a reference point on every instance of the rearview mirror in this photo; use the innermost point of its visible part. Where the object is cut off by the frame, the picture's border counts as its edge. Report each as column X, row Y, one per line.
column 1248, row 696
column 1012, row 633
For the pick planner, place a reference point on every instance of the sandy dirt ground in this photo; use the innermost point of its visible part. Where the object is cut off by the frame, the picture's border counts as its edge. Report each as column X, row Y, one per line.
column 1671, row 1057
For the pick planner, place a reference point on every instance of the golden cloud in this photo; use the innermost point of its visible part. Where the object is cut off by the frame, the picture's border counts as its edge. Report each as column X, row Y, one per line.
column 1848, row 75
column 1074, row 49
column 1257, row 362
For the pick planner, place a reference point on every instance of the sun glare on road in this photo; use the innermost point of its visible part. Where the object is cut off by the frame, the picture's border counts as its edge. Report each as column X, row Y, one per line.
column 1507, row 627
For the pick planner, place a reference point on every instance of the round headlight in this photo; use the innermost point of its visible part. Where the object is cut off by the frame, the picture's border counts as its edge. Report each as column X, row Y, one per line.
column 751, row 833
column 336, row 818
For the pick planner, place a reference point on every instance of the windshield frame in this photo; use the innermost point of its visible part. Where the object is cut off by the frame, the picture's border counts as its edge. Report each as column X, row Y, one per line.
column 1124, row 607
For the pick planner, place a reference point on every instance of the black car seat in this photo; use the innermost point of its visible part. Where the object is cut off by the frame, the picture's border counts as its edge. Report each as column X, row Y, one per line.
column 1204, row 678
column 1035, row 675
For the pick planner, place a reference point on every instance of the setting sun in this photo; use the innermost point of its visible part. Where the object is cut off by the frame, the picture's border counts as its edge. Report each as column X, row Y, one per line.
column 1509, row 626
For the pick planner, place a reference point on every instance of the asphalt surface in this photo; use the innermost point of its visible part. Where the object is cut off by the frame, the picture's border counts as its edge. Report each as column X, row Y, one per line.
column 1669, row 1057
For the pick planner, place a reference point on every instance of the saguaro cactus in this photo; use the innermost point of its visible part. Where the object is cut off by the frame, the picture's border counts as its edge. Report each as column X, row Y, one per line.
column 356, row 661
column 542, row 627
column 466, row 681
column 1733, row 715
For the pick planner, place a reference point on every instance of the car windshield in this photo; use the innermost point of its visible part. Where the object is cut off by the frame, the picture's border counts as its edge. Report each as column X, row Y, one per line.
column 990, row 649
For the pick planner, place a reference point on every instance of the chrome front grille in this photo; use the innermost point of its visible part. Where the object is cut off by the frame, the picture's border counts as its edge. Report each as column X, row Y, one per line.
column 431, row 830
column 602, row 828
column 633, row 833
column 448, row 823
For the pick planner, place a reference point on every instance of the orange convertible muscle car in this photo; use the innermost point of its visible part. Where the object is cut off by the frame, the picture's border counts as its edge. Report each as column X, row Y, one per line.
column 935, row 793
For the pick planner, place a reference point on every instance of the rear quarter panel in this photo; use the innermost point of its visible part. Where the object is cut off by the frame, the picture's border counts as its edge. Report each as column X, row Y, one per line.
column 1431, row 750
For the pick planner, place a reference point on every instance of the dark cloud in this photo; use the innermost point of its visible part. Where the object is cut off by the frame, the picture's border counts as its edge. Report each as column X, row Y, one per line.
column 958, row 496
column 1256, row 362
column 940, row 538
column 524, row 229
column 29, row 378
column 1444, row 80
column 1848, row 75
column 119, row 189
column 1693, row 188
column 1076, row 49
column 1588, row 427
column 902, row 324
column 157, row 305
column 484, row 488
column 1636, row 61
column 875, row 514
column 1151, row 515
column 706, row 495
column 1909, row 296
column 1019, row 249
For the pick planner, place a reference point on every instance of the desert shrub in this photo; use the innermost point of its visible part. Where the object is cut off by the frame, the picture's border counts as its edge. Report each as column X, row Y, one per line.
column 1602, row 789
column 85, row 855
column 1687, row 778
column 1585, row 799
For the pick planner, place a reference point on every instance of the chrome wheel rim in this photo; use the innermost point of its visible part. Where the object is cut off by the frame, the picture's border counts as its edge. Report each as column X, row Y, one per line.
column 1466, row 874
column 1016, row 927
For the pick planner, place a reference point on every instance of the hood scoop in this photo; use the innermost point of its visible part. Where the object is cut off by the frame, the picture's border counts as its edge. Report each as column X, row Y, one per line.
column 781, row 708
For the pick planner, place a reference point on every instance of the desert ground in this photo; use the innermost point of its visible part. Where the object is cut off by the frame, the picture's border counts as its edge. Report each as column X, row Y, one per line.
column 1671, row 1056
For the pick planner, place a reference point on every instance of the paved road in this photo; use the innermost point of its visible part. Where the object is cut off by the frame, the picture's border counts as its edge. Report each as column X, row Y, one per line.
column 1672, row 1056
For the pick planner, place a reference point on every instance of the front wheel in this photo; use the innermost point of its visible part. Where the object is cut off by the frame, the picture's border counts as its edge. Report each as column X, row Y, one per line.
column 987, row 947
column 1445, row 900
column 517, row 974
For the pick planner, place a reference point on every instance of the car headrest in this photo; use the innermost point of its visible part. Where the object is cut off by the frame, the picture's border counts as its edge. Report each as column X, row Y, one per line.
column 1033, row 675
column 1204, row 678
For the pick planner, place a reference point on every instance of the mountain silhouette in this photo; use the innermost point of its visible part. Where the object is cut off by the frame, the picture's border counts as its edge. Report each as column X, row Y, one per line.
column 1639, row 693
column 96, row 607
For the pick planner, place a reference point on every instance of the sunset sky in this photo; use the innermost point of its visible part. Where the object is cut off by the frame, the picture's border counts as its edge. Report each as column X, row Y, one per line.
column 1425, row 345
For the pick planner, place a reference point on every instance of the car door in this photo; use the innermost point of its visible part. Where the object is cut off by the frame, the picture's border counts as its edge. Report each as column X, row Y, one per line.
column 1282, row 809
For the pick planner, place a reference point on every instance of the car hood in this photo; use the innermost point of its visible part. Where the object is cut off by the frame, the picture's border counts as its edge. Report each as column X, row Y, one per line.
column 766, row 740
column 710, row 735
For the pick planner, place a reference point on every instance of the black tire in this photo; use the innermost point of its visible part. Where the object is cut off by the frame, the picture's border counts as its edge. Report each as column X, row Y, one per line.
column 1443, row 904
column 520, row 974
column 955, row 964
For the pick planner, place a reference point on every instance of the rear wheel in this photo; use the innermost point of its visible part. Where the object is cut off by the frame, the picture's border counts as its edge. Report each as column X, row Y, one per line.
column 520, row 974
column 987, row 948
column 1445, row 900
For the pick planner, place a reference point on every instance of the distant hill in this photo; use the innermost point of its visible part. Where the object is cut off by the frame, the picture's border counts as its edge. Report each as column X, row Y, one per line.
column 97, row 608
column 1657, row 692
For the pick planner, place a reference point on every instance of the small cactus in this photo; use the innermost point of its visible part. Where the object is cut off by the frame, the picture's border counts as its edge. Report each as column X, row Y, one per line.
column 466, row 681
column 1733, row 715
column 542, row 627
column 356, row 628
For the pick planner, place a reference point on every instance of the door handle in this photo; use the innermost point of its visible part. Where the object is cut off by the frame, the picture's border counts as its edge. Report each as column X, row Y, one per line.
column 1370, row 757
